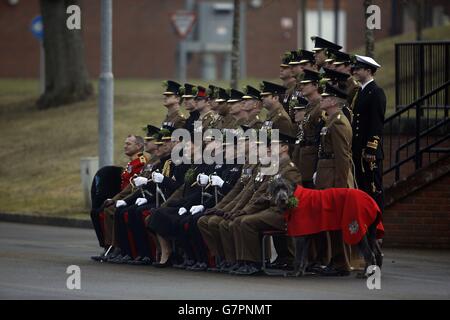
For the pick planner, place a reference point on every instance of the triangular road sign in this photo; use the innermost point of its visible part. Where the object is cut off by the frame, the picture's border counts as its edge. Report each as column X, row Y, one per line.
column 183, row 22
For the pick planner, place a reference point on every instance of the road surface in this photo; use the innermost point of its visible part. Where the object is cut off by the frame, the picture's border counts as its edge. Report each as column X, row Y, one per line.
column 34, row 260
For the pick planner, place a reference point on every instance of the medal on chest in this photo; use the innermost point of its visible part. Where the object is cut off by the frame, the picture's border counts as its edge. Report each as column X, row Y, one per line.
column 323, row 131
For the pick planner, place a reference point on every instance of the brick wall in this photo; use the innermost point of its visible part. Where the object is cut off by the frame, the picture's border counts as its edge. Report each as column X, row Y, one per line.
column 422, row 219
column 144, row 41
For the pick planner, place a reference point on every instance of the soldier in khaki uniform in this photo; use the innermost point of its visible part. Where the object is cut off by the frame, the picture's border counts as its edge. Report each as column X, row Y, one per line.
column 339, row 80
column 253, row 106
column 188, row 93
column 289, row 81
column 207, row 116
column 311, row 126
column 322, row 49
column 220, row 228
column 342, row 63
column 209, row 224
column 303, row 59
column 299, row 106
column 277, row 118
column 235, row 104
column 334, row 170
column 259, row 215
column 172, row 103
column 225, row 118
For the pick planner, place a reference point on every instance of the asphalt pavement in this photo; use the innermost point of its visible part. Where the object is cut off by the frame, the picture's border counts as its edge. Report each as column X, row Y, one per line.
column 34, row 260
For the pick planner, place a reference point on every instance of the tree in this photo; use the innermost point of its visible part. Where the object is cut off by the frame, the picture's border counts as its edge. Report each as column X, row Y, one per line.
column 66, row 76
column 236, row 45
column 369, row 37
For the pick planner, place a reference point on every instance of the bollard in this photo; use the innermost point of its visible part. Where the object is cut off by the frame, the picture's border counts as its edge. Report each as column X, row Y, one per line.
column 88, row 169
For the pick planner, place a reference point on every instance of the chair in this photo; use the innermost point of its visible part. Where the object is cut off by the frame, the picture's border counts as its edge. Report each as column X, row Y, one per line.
column 265, row 235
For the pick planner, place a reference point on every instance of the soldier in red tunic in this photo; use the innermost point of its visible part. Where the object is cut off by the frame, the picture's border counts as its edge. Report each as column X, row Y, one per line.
column 134, row 150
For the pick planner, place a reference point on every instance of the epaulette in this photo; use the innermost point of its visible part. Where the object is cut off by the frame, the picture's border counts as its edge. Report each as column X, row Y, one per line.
column 142, row 158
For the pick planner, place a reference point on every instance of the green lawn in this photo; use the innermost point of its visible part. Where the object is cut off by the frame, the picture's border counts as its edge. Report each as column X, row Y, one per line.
column 41, row 150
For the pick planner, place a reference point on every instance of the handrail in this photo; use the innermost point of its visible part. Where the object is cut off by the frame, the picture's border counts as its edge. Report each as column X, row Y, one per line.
column 411, row 157
column 438, row 125
column 425, row 42
column 414, row 103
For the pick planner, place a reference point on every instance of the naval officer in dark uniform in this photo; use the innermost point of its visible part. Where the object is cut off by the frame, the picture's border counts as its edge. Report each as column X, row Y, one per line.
column 367, row 148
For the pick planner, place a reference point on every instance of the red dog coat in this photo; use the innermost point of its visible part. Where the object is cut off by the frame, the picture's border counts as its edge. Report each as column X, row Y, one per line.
column 349, row 210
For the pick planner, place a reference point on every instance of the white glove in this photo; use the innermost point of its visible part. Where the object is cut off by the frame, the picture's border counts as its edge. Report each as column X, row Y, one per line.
column 217, row 181
column 140, row 181
column 120, row 203
column 157, row 177
column 196, row 209
column 314, row 177
column 141, row 201
column 202, row 179
column 182, row 211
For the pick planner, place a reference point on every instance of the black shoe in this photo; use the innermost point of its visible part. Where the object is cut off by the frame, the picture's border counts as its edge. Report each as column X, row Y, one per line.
column 113, row 253
column 199, row 266
column 232, row 268
column 185, row 264
column 218, row 267
column 100, row 257
column 135, row 260
column 115, row 259
column 248, row 269
column 166, row 264
column 333, row 272
column 120, row 259
column 279, row 264
column 141, row 261
column 315, row 268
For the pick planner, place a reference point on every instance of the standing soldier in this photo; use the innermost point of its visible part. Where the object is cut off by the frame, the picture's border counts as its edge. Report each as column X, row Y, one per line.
column 339, row 80
column 299, row 105
column 321, row 48
column 207, row 116
column 303, row 59
column 172, row 103
column 335, row 170
column 188, row 92
column 277, row 118
column 288, row 79
column 369, row 109
column 212, row 92
column 312, row 124
column 225, row 119
column 342, row 63
column 253, row 106
column 235, row 104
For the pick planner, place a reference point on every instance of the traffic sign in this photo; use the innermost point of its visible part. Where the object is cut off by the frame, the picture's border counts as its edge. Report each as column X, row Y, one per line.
column 183, row 21
column 37, row 28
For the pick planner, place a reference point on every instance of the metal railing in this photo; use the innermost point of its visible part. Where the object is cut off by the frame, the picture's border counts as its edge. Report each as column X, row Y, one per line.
column 417, row 134
column 419, row 68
